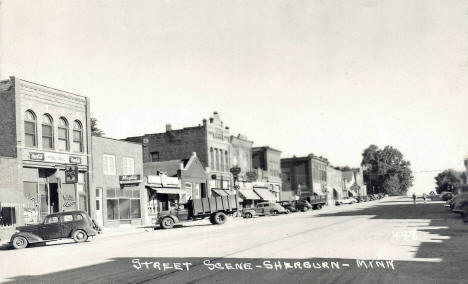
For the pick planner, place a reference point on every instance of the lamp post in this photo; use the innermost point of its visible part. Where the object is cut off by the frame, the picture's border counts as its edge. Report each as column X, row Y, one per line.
column 235, row 177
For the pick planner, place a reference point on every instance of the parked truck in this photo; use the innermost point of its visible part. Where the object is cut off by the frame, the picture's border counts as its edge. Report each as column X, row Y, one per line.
column 214, row 208
column 317, row 201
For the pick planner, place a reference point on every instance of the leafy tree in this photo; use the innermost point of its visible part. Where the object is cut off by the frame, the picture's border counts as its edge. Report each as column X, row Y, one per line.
column 95, row 131
column 386, row 171
column 447, row 180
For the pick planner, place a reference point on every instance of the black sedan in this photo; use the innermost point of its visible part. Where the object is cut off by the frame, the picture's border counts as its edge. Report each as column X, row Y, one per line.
column 76, row 225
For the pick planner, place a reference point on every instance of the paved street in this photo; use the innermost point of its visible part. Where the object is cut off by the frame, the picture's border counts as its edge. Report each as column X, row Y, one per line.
column 417, row 244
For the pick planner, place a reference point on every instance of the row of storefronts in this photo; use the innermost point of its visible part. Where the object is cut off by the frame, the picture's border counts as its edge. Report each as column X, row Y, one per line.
column 50, row 162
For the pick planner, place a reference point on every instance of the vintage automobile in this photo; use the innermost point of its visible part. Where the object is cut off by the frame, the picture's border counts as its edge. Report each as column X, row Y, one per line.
column 446, row 195
column 289, row 206
column 304, row 205
column 69, row 224
column 348, row 200
column 457, row 201
column 263, row 209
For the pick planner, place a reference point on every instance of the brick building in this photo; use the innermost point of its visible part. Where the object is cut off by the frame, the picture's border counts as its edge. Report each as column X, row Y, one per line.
column 210, row 140
column 118, row 192
column 266, row 161
column 43, row 130
column 304, row 176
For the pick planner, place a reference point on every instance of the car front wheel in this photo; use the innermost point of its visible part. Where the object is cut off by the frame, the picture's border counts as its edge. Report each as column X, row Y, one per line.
column 20, row 242
column 79, row 236
column 167, row 223
column 248, row 215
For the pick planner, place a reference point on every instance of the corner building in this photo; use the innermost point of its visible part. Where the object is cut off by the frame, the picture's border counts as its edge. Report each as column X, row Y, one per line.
column 43, row 130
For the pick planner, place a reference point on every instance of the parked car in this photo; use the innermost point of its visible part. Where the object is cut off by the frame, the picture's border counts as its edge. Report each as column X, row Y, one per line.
column 289, row 206
column 303, row 205
column 446, row 195
column 347, row 200
column 214, row 208
column 457, row 202
column 76, row 225
column 263, row 209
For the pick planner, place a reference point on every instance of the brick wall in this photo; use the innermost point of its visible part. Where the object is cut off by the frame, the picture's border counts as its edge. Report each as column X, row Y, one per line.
column 176, row 144
column 7, row 119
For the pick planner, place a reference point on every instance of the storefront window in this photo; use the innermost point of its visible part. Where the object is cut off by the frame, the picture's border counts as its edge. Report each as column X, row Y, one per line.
column 7, row 216
column 112, row 209
column 77, row 137
column 30, row 129
column 62, row 134
column 47, row 132
column 123, row 204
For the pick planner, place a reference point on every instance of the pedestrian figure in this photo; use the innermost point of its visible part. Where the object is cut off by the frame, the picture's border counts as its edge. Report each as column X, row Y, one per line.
column 424, row 197
column 414, row 198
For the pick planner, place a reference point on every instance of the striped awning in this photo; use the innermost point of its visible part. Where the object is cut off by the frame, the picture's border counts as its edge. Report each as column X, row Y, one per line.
column 265, row 194
column 249, row 194
column 220, row 192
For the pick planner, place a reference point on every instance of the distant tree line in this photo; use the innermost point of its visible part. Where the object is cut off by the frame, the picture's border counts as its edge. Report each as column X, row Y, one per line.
column 386, row 171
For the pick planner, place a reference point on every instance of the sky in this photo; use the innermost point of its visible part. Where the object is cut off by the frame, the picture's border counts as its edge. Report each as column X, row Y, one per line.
column 322, row 77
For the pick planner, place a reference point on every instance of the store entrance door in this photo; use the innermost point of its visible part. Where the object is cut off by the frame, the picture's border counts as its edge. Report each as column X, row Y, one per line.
column 99, row 217
column 54, row 197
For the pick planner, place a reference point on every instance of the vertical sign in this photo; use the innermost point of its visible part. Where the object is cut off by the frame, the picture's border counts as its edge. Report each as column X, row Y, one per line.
column 71, row 174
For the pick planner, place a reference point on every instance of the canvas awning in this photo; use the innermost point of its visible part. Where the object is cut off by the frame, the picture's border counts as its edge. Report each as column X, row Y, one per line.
column 249, row 194
column 168, row 190
column 220, row 192
column 265, row 194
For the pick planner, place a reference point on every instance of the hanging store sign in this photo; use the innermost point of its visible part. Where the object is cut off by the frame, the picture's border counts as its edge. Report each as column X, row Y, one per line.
column 128, row 180
column 71, row 174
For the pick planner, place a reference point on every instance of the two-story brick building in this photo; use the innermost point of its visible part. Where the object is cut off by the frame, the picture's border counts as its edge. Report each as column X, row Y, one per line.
column 42, row 130
column 118, row 194
column 266, row 161
column 304, row 176
column 210, row 140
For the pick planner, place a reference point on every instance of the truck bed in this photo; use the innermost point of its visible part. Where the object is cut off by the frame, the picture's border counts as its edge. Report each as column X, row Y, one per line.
column 211, row 205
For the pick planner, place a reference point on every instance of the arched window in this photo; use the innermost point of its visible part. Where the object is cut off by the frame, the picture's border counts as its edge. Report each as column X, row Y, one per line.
column 47, row 132
column 216, row 159
column 63, row 135
column 226, row 160
column 77, row 137
column 212, row 166
column 221, row 162
column 30, row 129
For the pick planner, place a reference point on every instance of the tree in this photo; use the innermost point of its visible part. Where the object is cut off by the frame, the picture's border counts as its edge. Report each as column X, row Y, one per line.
column 386, row 171
column 95, row 131
column 447, row 180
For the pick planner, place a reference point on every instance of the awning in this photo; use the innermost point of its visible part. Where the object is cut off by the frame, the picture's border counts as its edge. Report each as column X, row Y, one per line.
column 168, row 190
column 265, row 194
column 220, row 192
column 249, row 194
